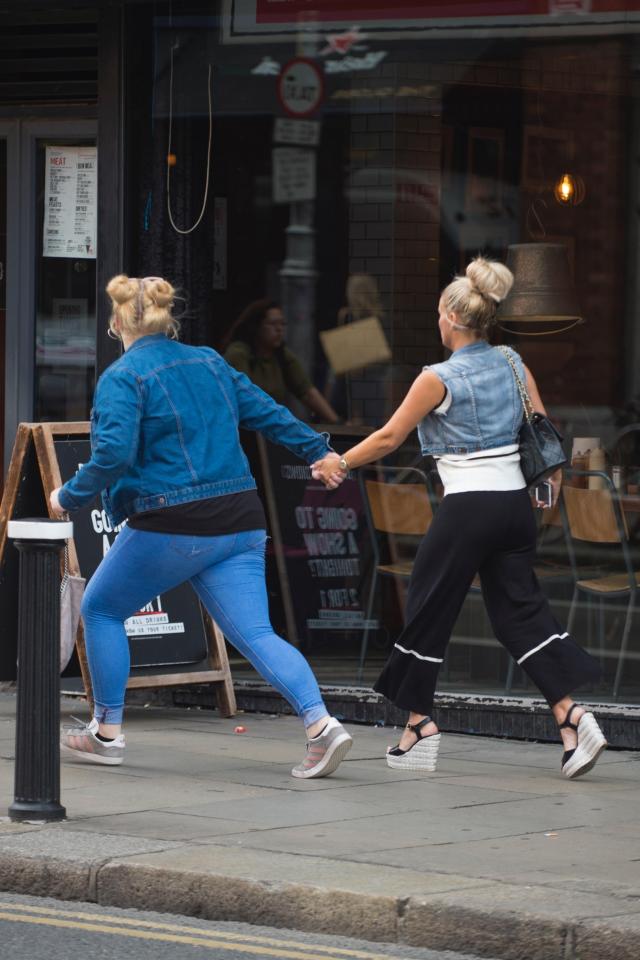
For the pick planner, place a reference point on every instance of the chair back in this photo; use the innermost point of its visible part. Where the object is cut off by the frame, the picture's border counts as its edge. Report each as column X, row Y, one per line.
column 399, row 508
column 398, row 503
column 593, row 515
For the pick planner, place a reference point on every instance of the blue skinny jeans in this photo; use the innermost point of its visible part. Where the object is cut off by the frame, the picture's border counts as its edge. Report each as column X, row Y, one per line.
column 227, row 572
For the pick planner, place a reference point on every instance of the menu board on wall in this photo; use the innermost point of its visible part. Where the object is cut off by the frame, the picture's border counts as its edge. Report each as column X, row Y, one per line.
column 70, row 202
column 324, row 545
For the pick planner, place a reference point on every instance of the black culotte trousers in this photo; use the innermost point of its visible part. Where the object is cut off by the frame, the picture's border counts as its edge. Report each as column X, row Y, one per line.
column 492, row 534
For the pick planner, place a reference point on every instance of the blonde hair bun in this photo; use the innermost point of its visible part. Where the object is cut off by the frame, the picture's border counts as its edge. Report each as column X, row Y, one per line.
column 490, row 278
column 141, row 306
column 474, row 298
column 122, row 288
column 160, row 292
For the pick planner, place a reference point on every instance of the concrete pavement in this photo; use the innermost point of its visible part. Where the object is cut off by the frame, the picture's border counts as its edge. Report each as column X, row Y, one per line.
column 495, row 854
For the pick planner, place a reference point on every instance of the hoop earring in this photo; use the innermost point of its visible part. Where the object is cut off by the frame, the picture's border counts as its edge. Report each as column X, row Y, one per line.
column 112, row 335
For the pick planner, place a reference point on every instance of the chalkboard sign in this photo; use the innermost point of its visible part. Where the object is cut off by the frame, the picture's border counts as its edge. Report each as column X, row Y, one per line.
column 321, row 544
column 173, row 633
column 170, row 629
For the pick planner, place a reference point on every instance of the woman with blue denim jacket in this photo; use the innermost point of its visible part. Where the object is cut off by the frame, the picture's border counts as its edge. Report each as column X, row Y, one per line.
column 166, row 456
column 468, row 414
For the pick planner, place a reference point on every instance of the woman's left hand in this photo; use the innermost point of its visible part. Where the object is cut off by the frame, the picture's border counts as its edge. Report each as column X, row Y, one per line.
column 54, row 504
column 328, row 471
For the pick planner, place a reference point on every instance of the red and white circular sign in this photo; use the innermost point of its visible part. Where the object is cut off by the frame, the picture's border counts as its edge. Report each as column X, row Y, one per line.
column 300, row 87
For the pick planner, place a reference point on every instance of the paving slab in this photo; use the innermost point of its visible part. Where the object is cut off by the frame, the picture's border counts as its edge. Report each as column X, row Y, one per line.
column 55, row 842
column 495, row 854
column 162, row 825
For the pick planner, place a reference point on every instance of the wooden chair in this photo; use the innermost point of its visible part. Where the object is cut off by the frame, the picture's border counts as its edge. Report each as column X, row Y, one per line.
column 399, row 508
column 596, row 517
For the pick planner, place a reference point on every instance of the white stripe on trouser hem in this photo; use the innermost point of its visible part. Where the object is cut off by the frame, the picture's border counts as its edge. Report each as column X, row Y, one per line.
column 556, row 636
column 414, row 654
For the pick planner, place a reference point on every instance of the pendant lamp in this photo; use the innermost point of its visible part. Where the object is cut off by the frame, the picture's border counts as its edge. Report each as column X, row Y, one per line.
column 542, row 290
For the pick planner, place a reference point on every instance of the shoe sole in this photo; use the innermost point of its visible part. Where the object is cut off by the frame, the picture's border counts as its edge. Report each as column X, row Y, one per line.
column 591, row 743
column 331, row 760
column 423, row 755
column 91, row 757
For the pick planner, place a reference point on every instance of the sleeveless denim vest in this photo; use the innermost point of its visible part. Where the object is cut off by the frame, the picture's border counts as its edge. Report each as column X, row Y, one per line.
column 485, row 411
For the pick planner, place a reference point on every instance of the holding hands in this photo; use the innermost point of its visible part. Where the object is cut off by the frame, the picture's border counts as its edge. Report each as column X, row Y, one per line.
column 331, row 470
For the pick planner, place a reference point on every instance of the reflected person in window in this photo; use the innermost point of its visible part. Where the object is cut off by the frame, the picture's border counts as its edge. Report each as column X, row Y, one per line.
column 258, row 349
column 468, row 413
column 363, row 302
column 166, row 456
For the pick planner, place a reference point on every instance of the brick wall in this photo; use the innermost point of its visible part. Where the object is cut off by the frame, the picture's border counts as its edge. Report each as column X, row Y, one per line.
column 394, row 218
column 567, row 92
column 394, row 226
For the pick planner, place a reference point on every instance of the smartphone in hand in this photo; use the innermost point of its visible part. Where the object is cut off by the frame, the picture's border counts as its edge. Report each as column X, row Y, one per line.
column 544, row 494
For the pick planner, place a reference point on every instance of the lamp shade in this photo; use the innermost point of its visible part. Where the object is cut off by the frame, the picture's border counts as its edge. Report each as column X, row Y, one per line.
column 542, row 290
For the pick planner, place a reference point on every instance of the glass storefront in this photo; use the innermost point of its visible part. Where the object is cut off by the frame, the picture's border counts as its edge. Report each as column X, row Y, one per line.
column 341, row 162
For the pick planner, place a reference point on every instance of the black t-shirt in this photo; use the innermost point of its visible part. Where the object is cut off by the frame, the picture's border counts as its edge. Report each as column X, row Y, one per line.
column 231, row 513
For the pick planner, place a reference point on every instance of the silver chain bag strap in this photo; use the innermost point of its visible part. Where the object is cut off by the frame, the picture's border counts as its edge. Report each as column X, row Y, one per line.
column 540, row 442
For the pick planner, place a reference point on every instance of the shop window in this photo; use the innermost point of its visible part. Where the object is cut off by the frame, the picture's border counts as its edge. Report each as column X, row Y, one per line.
column 415, row 155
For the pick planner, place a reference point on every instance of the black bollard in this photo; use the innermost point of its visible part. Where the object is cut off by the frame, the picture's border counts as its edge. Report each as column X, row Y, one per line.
column 37, row 767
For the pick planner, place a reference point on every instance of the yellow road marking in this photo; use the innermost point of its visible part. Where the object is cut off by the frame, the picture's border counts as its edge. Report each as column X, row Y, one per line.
column 118, row 926
column 202, row 941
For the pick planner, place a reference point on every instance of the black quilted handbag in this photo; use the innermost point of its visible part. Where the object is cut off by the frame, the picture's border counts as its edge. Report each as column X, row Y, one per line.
column 541, row 452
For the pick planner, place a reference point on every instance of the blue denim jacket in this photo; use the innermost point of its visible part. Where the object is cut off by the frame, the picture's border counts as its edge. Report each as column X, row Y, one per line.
column 486, row 410
column 164, row 430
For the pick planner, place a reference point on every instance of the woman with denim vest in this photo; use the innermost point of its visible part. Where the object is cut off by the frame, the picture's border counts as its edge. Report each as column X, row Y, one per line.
column 166, row 456
column 468, row 414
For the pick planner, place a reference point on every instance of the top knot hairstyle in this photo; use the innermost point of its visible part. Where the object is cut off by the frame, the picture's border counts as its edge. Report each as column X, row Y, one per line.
column 142, row 306
column 474, row 298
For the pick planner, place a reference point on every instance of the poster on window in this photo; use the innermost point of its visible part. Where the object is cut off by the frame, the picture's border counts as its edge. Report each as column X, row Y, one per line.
column 70, row 202
column 294, row 174
column 325, row 546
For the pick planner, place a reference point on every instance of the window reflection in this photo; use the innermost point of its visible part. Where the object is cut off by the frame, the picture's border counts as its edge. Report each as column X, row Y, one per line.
column 415, row 155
